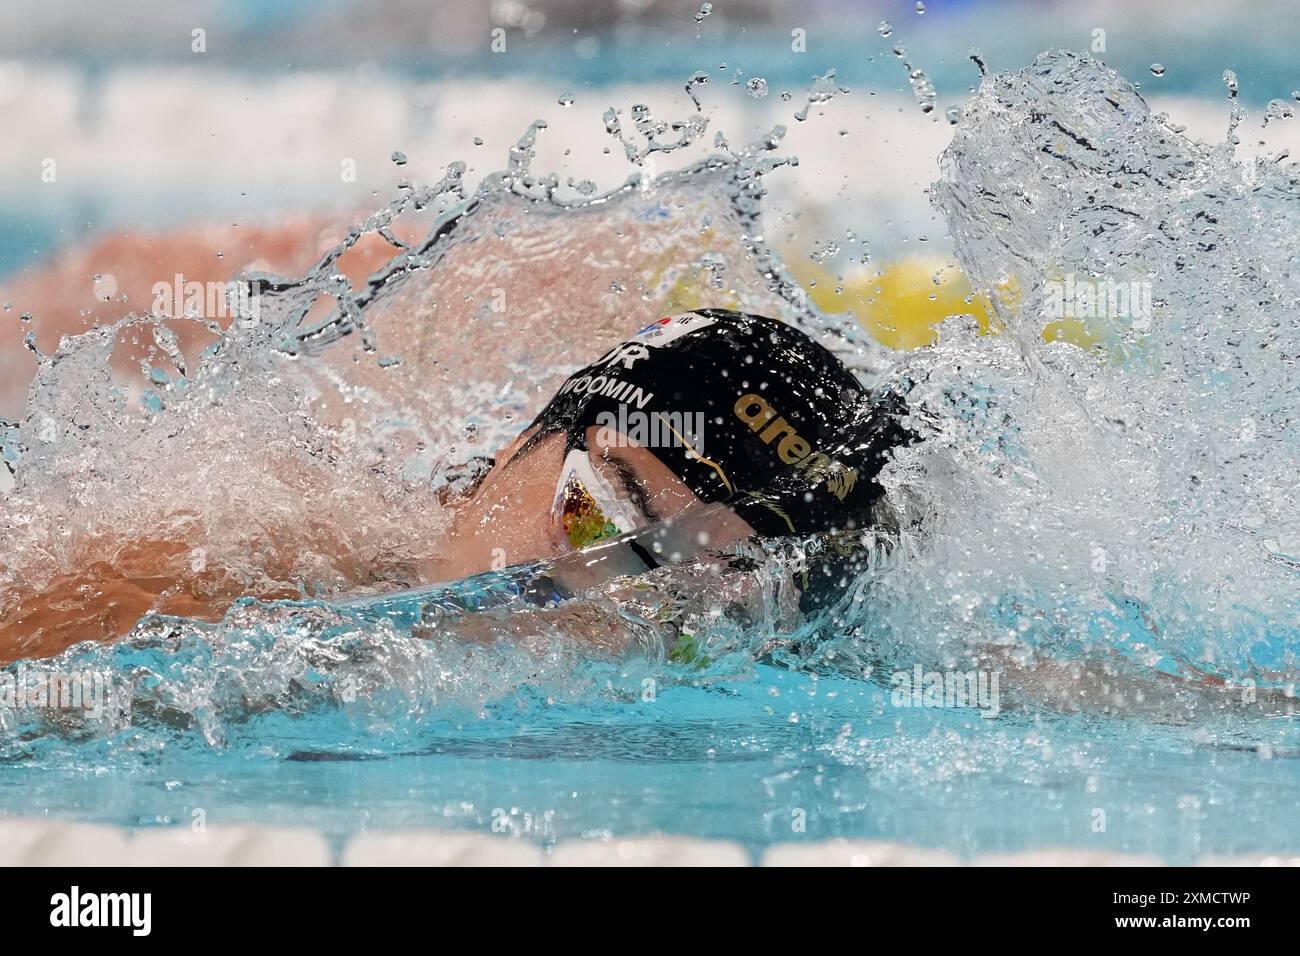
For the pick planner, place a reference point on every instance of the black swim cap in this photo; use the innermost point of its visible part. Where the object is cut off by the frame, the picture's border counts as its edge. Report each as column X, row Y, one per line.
column 743, row 409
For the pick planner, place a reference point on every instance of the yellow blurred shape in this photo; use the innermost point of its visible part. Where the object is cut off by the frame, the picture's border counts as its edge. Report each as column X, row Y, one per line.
column 902, row 304
column 1075, row 331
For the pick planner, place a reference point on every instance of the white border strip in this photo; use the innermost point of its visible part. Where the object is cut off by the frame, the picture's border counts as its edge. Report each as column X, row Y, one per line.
column 40, row 842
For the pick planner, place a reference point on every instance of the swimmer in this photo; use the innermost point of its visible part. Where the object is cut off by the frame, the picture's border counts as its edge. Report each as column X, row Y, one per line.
column 701, row 432
column 720, row 424
column 711, row 406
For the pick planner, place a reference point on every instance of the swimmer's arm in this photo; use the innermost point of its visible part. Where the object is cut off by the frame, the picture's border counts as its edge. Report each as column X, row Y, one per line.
column 1097, row 686
column 109, row 592
column 105, row 585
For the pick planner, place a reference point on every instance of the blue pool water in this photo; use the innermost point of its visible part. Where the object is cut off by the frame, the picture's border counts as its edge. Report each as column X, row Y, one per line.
column 780, row 756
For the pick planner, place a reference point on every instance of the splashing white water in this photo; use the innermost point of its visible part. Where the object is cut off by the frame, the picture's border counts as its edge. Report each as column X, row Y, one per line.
column 1138, row 499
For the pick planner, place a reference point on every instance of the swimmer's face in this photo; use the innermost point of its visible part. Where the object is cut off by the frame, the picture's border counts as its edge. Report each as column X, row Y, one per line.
column 512, row 517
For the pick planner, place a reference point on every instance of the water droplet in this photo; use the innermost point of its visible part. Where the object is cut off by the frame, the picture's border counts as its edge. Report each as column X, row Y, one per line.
column 825, row 251
column 823, row 88
column 885, row 28
column 1157, row 69
column 478, row 140
column 566, row 99
column 922, row 89
column 705, row 10
column 699, row 78
column 1278, row 110
column 953, row 113
column 104, row 287
column 1230, row 81
column 920, row 7
column 756, row 87
column 399, row 157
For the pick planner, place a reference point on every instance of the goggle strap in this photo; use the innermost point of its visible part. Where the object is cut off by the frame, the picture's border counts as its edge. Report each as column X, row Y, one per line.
column 637, row 548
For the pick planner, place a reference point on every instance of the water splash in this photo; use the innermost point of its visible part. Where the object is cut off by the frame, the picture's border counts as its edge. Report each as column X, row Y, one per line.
column 1136, row 502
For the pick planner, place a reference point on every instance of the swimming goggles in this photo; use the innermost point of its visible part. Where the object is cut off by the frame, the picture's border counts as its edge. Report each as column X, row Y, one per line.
column 587, row 506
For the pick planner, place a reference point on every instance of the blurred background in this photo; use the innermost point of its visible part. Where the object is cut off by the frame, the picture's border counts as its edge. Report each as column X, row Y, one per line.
column 211, row 136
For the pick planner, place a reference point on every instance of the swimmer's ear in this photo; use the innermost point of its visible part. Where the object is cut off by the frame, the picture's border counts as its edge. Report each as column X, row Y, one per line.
column 504, row 455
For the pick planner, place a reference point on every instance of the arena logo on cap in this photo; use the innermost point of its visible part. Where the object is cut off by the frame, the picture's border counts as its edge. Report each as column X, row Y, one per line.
column 794, row 449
